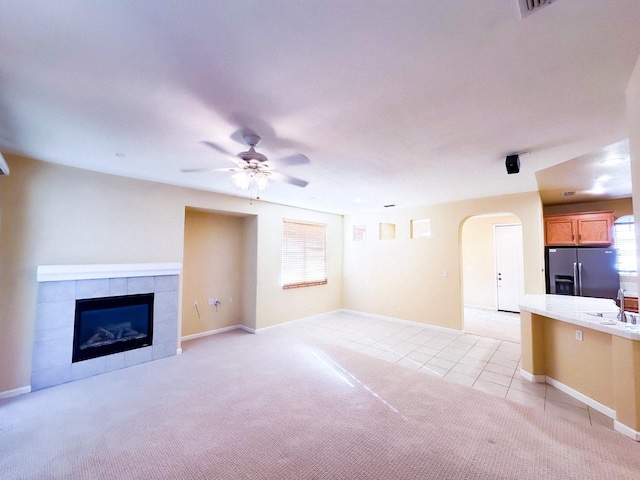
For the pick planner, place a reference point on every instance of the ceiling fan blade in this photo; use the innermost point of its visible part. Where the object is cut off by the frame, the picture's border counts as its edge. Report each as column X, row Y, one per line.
column 291, row 160
column 193, row 170
column 221, row 150
column 224, row 169
column 280, row 177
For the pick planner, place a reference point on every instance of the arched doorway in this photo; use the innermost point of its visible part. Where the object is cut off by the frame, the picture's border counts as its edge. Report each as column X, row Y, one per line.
column 492, row 275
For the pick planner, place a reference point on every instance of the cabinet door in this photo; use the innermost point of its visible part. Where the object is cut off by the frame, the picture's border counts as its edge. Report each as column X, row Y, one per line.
column 631, row 304
column 560, row 231
column 595, row 229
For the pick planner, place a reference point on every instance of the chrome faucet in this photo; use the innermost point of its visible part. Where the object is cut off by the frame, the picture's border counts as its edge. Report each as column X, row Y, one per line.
column 621, row 317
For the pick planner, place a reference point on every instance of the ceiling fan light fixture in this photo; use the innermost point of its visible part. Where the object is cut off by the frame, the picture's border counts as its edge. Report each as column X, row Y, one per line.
column 262, row 180
column 241, row 180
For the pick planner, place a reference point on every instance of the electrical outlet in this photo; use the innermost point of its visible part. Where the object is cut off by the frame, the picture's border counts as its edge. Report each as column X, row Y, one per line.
column 230, row 299
column 445, row 273
column 579, row 335
column 211, row 302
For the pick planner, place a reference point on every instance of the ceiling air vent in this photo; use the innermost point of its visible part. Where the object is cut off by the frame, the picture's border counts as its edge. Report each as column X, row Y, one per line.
column 530, row 6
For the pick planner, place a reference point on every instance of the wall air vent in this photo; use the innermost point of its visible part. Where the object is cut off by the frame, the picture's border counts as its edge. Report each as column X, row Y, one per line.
column 530, row 6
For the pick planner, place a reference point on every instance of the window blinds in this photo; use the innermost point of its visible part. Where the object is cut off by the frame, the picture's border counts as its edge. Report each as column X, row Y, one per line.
column 304, row 254
column 624, row 234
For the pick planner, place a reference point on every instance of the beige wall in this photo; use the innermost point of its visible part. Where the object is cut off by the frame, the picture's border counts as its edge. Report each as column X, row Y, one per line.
column 51, row 214
column 585, row 366
column 404, row 278
column 550, row 348
column 620, row 207
column 478, row 259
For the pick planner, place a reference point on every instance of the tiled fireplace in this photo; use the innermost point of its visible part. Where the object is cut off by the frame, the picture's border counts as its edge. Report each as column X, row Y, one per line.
column 59, row 287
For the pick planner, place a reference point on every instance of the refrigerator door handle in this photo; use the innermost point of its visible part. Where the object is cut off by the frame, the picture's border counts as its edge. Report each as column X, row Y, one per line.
column 576, row 279
column 580, row 277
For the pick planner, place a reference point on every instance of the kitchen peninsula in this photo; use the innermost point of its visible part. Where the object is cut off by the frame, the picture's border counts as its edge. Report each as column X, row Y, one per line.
column 576, row 345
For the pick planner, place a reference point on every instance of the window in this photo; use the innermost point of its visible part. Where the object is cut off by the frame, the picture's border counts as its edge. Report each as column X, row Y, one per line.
column 359, row 233
column 304, row 254
column 624, row 234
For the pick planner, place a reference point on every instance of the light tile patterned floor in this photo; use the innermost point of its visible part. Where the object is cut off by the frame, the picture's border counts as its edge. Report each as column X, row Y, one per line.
column 483, row 363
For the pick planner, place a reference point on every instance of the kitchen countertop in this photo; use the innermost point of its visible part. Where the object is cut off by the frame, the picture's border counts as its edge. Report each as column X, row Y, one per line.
column 581, row 311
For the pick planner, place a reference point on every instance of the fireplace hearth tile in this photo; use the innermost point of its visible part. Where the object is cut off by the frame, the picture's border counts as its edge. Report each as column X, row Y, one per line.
column 140, row 285
column 117, row 287
column 92, row 288
column 114, row 362
column 164, row 317
column 54, row 334
column 165, row 302
column 55, row 314
column 87, row 368
column 56, row 291
column 51, row 353
column 166, row 283
column 137, row 356
column 50, row 377
column 163, row 350
column 164, row 332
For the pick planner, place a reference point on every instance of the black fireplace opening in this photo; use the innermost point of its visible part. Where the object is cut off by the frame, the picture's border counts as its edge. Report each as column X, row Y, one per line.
column 111, row 325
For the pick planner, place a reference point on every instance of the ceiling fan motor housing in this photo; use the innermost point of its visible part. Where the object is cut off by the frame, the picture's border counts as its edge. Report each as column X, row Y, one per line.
column 251, row 154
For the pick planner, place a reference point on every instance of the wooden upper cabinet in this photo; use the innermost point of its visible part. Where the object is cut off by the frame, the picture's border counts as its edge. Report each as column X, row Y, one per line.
column 560, row 230
column 586, row 229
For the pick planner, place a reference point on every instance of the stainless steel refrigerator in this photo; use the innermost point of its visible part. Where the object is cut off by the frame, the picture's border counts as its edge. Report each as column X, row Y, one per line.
column 585, row 272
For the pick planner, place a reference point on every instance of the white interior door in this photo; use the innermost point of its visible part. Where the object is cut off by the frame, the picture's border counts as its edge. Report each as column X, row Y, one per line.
column 509, row 269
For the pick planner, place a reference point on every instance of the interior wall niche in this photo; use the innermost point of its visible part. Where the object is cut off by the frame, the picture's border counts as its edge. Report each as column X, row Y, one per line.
column 387, row 231
column 421, row 228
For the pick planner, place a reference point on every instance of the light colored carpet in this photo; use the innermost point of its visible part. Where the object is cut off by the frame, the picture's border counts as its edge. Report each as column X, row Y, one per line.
column 284, row 404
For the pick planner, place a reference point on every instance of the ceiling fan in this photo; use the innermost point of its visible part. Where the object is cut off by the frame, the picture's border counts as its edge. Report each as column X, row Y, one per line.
column 254, row 168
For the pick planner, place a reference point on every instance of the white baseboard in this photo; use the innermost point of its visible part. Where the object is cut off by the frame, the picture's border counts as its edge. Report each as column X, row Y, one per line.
column 493, row 308
column 626, row 431
column 216, row 331
column 400, row 320
column 287, row 322
column 15, row 392
column 533, row 378
column 608, row 411
column 246, row 329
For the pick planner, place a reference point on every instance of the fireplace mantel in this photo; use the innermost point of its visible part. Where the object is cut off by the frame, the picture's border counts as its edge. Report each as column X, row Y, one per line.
column 59, row 273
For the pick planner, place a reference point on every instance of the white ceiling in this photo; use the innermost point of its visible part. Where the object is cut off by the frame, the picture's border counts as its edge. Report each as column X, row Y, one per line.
column 601, row 175
column 405, row 102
